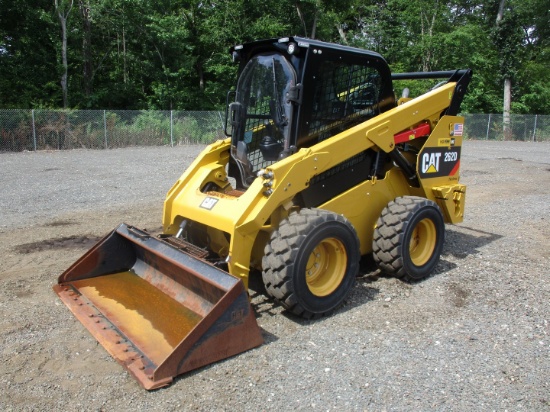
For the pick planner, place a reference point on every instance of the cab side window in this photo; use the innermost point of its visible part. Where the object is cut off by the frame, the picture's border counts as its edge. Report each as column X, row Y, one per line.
column 345, row 95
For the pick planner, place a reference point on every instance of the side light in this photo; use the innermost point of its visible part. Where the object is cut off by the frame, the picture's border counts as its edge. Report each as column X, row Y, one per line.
column 292, row 48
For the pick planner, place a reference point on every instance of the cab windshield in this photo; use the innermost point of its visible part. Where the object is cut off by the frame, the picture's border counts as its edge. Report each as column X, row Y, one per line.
column 262, row 114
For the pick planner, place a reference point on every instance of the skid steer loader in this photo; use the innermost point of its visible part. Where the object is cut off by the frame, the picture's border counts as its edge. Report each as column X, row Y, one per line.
column 322, row 164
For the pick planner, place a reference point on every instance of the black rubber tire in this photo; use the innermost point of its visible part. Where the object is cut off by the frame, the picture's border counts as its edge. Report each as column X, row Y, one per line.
column 331, row 269
column 408, row 238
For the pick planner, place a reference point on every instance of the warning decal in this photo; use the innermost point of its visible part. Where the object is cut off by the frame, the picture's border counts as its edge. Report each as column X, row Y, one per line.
column 208, row 203
column 448, row 141
column 438, row 161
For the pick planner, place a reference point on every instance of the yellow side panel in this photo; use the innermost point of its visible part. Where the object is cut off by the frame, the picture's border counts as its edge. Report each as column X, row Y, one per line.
column 438, row 167
column 363, row 204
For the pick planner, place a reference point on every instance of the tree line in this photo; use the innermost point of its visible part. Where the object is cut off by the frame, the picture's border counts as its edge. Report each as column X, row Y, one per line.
column 173, row 54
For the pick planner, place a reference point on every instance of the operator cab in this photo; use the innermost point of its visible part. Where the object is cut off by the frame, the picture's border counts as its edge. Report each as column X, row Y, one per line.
column 294, row 92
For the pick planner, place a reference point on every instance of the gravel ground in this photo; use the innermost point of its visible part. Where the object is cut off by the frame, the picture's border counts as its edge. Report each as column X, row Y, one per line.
column 473, row 336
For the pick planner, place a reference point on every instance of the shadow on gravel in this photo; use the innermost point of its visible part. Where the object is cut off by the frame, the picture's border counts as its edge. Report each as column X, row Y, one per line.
column 465, row 241
column 59, row 243
column 66, row 242
column 264, row 305
column 57, row 223
column 459, row 244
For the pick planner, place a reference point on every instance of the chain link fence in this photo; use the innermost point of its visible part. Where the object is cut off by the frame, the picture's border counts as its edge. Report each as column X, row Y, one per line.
column 105, row 129
column 528, row 128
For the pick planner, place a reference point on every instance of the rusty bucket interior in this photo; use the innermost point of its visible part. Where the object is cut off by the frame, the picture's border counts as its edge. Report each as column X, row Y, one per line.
column 157, row 310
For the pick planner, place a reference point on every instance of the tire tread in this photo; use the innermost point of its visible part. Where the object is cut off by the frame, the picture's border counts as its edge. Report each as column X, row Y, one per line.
column 280, row 254
column 389, row 234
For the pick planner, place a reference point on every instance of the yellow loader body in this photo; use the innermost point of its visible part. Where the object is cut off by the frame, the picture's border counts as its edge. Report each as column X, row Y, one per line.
column 322, row 165
column 245, row 216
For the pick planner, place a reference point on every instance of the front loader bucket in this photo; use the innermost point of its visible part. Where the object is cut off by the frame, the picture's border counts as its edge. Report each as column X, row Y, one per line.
column 157, row 310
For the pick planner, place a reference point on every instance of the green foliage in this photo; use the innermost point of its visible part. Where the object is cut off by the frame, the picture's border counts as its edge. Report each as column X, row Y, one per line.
column 162, row 127
column 189, row 130
column 173, row 54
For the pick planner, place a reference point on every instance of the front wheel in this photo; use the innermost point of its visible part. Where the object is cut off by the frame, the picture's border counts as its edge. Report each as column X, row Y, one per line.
column 311, row 262
column 408, row 238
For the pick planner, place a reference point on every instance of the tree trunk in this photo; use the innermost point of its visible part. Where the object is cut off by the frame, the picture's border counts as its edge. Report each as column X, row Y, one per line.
column 427, row 28
column 506, row 129
column 63, row 14
column 125, row 64
column 500, row 14
column 303, row 20
column 507, row 98
column 64, row 76
column 314, row 28
column 301, row 16
column 342, row 33
column 87, row 71
column 200, row 72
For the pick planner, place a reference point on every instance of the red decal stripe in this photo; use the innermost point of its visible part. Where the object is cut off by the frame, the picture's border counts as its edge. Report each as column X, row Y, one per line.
column 455, row 169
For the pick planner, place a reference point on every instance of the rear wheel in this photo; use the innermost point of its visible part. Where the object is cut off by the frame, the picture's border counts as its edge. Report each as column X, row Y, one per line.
column 408, row 238
column 311, row 262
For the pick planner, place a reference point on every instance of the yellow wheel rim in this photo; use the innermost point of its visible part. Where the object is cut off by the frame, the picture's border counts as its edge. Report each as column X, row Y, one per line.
column 423, row 240
column 326, row 267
